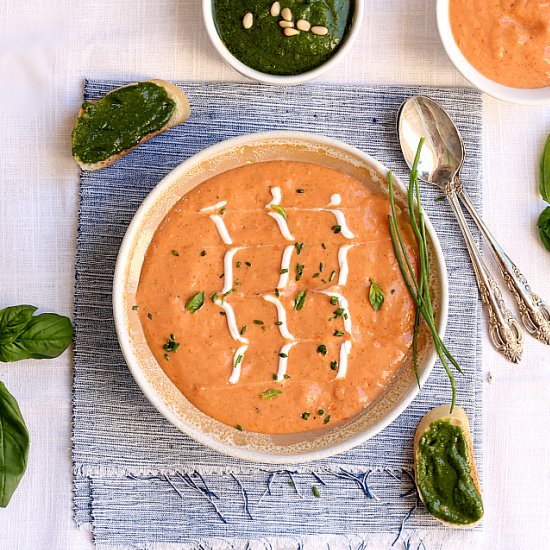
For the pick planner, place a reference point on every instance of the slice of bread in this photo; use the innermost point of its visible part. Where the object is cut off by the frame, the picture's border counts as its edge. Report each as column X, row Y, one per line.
column 458, row 418
column 181, row 114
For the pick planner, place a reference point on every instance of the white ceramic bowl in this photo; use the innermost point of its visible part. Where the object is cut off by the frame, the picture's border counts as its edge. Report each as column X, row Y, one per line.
column 525, row 96
column 163, row 394
column 208, row 16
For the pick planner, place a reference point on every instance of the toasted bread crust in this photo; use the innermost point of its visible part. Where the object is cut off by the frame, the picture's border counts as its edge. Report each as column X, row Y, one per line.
column 458, row 418
column 181, row 114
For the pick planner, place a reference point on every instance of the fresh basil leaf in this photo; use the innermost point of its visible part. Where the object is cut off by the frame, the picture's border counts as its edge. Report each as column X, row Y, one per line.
column 45, row 336
column 544, row 227
column 13, row 320
column 14, row 445
column 270, row 394
column 280, row 210
column 544, row 184
column 376, row 295
column 300, row 300
column 195, row 303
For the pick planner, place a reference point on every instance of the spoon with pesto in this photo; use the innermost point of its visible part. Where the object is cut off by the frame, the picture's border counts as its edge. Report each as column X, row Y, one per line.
column 442, row 158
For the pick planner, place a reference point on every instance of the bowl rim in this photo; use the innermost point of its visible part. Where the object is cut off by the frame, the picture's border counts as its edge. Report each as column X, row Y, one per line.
column 280, row 80
column 119, row 285
column 522, row 96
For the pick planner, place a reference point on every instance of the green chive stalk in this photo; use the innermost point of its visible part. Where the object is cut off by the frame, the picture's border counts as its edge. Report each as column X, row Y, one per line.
column 418, row 286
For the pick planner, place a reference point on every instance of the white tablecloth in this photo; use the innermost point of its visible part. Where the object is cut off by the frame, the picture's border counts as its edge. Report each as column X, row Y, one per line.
column 47, row 47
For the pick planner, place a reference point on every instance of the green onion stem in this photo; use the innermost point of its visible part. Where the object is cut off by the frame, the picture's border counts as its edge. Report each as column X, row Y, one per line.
column 418, row 286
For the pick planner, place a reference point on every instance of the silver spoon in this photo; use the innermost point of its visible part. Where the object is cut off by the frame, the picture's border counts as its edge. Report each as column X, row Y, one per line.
column 441, row 159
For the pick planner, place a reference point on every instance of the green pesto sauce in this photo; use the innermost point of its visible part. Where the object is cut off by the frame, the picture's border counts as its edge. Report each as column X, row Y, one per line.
column 120, row 121
column 443, row 475
column 265, row 48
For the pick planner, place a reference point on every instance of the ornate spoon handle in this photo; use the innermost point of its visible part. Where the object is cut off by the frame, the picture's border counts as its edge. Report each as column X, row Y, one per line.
column 535, row 314
column 505, row 331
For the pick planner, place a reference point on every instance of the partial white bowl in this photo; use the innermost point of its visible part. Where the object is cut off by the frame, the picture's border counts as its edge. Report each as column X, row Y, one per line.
column 524, row 96
column 157, row 387
column 277, row 80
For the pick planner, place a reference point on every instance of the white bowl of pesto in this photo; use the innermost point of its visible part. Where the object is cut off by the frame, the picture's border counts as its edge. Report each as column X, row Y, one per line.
column 283, row 43
column 323, row 439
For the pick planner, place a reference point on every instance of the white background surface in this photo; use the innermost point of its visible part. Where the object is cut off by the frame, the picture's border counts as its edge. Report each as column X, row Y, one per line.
column 47, row 47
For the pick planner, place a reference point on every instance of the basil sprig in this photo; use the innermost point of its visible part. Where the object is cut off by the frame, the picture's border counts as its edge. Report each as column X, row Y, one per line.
column 24, row 336
column 544, row 227
column 544, row 184
column 543, row 222
column 14, row 445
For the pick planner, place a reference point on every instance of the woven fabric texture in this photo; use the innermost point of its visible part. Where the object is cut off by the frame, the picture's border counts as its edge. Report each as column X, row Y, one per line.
column 141, row 482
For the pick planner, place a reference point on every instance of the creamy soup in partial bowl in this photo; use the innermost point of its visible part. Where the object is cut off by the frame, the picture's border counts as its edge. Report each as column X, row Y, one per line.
column 259, row 303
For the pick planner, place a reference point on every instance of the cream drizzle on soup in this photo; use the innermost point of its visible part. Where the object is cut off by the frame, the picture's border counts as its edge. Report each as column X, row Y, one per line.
column 287, row 340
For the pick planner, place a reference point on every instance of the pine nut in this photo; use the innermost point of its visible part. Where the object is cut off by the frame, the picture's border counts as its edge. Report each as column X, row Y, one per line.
column 275, row 9
column 248, row 20
column 286, row 24
column 286, row 14
column 291, row 32
column 303, row 25
column 319, row 31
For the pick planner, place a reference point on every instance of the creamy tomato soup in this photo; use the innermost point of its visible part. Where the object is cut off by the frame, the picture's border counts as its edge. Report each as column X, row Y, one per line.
column 506, row 40
column 287, row 339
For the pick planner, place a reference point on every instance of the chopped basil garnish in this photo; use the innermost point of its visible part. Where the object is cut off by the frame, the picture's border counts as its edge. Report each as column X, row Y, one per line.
column 270, row 394
column 298, row 247
column 315, row 275
column 327, row 419
column 175, row 253
column 322, row 349
column 214, row 296
column 324, row 246
column 171, row 345
column 280, row 210
column 222, row 211
column 336, row 228
column 277, row 293
column 300, row 190
column 334, row 365
column 203, row 252
column 237, row 361
column 283, row 355
column 248, row 264
column 149, row 315
column 135, row 308
column 320, row 412
column 243, row 329
column 278, row 323
column 283, row 271
column 332, row 275
column 376, row 295
column 338, row 333
column 299, row 271
column 195, row 303
column 321, row 266
column 315, row 492
column 306, row 415
column 167, row 357
column 258, row 322
column 238, row 264
column 334, row 300
column 300, row 300
column 239, row 427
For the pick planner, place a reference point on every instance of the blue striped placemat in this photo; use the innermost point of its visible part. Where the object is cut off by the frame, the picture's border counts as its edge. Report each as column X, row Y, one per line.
column 142, row 484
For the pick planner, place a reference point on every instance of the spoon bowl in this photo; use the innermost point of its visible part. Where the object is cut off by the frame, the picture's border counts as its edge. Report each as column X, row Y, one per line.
column 443, row 153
